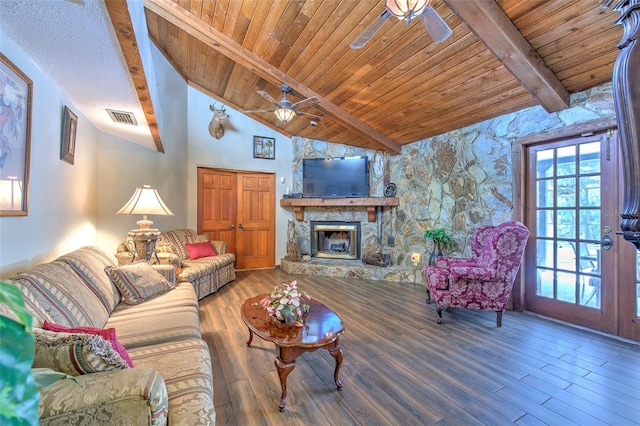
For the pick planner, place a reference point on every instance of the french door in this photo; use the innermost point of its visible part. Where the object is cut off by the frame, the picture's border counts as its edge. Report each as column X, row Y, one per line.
column 574, row 260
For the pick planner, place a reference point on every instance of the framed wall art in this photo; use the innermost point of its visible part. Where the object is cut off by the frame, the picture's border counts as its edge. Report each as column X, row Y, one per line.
column 15, row 138
column 264, row 147
column 68, row 142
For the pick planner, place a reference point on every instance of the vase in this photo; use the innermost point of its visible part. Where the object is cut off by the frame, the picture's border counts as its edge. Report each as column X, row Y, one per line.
column 435, row 254
column 290, row 317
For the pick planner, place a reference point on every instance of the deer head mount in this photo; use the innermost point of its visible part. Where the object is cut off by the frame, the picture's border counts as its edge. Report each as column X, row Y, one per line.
column 219, row 117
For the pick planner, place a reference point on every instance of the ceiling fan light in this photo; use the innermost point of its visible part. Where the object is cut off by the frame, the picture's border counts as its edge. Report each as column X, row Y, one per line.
column 406, row 9
column 284, row 114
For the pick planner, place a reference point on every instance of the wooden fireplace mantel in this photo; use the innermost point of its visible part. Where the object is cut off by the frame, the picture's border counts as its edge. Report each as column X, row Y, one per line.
column 370, row 204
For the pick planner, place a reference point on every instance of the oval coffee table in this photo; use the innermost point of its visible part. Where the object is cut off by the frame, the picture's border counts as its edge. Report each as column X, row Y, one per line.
column 321, row 330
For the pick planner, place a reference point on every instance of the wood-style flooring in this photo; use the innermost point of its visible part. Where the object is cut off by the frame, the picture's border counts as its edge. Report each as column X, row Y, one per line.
column 400, row 367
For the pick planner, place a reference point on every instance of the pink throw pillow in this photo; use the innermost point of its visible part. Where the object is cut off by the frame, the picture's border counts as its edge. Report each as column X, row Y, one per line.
column 198, row 250
column 108, row 334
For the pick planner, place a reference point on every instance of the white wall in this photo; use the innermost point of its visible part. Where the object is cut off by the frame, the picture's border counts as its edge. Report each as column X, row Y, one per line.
column 72, row 206
column 62, row 197
column 123, row 166
column 235, row 151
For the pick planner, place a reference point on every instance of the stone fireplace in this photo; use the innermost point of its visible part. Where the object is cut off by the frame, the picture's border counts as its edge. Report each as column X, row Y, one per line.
column 335, row 240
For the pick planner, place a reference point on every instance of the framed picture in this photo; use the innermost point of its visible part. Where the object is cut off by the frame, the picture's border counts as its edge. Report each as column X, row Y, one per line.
column 68, row 143
column 264, row 147
column 15, row 138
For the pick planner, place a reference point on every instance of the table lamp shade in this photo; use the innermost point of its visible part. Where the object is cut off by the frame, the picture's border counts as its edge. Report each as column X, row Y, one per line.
column 145, row 201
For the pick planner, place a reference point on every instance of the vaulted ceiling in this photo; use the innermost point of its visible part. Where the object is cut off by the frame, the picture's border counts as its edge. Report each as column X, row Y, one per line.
column 401, row 87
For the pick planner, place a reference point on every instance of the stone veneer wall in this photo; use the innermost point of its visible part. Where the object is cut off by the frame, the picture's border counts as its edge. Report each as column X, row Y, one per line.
column 458, row 180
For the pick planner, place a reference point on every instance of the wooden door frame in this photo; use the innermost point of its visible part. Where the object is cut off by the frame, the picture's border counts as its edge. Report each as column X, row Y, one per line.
column 519, row 171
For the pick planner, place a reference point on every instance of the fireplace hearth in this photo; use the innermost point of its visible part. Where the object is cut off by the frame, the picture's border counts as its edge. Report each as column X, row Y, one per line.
column 335, row 240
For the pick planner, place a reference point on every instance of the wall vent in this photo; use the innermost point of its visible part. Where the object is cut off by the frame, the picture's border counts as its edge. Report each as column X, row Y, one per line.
column 122, row 117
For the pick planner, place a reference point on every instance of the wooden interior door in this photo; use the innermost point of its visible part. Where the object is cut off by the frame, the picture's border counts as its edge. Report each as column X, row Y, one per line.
column 239, row 208
column 255, row 236
column 217, row 205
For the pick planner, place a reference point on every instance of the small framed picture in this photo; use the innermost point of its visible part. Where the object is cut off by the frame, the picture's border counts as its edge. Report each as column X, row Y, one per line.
column 264, row 147
column 68, row 143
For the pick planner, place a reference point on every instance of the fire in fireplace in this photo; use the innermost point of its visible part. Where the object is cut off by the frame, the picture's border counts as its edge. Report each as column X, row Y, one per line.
column 335, row 240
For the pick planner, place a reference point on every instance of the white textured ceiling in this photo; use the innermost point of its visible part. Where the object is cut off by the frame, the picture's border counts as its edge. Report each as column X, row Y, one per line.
column 74, row 44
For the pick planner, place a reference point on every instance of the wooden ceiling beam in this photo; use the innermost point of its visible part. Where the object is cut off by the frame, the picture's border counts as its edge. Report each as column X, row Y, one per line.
column 496, row 31
column 184, row 20
column 121, row 21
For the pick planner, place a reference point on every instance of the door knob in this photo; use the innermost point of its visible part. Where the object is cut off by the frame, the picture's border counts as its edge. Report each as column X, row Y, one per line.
column 606, row 243
column 240, row 226
column 233, row 227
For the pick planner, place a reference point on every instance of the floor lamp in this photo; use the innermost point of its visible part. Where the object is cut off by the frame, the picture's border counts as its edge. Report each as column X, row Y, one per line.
column 145, row 201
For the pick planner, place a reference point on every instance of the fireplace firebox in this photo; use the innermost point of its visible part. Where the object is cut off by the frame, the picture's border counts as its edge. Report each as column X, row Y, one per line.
column 335, row 240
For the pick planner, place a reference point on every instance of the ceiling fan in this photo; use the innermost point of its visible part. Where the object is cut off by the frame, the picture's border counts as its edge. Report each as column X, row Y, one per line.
column 284, row 109
column 407, row 10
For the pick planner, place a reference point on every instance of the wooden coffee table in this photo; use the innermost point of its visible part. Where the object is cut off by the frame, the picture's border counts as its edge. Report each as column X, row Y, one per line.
column 321, row 330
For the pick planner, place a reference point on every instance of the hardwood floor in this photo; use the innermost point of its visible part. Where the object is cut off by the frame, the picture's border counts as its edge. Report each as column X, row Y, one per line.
column 401, row 367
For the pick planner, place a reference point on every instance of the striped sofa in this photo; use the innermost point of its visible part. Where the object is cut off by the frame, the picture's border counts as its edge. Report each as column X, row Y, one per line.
column 206, row 274
column 171, row 380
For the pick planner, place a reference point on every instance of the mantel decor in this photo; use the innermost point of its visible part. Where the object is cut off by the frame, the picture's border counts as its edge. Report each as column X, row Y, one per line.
column 264, row 147
column 68, row 141
column 15, row 138
column 626, row 94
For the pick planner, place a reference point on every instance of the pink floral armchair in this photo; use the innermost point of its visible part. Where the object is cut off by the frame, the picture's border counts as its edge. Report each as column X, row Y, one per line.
column 477, row 242
column 484, row 282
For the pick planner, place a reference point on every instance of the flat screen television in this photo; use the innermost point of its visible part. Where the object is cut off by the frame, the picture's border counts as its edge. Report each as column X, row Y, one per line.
column 335, row 178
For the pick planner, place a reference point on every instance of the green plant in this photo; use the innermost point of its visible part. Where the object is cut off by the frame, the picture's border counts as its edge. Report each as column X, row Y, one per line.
column 440, row 237
column 18, row 393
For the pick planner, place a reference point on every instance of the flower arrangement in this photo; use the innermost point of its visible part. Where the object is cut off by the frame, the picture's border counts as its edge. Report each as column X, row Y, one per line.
column 287, row 304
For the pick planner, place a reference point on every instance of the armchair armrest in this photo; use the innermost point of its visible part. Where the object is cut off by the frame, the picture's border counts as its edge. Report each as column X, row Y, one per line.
column 470, row 273
column 131, row 396
column 124, row 257
column 445, row 262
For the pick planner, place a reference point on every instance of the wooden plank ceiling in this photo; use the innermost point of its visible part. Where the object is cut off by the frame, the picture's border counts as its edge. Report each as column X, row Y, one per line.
column 399, row 88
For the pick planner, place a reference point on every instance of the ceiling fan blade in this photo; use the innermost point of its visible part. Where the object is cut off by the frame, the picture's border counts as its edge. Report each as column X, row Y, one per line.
column 370, row 31
column 306, row 102
column 259, row 110
column 435, row 25
column 267, row 96
column 306, row 114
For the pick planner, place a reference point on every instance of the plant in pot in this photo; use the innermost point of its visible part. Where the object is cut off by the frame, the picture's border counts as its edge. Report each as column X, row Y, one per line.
column 441, row 240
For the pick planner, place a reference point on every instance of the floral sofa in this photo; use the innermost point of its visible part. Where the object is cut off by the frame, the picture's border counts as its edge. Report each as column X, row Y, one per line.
column 156, row 369
column 484, row 282
column 207, row 273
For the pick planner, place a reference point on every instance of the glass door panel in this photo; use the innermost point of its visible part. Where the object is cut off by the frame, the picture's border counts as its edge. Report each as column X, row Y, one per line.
column 572, row 201
column 567, row 217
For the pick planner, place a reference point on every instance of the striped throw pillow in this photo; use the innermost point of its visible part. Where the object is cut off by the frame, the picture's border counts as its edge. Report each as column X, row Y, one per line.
column 138, row 282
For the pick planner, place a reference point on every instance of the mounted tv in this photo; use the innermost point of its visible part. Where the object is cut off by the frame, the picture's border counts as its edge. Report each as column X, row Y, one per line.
column 336, row 177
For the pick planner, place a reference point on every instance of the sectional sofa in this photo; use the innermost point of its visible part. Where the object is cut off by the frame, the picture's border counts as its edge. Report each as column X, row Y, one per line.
column 156, row 324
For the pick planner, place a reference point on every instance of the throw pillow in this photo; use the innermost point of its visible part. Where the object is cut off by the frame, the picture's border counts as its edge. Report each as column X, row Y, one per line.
column 198, row 250
column 138, row 282
column 108, row 334
column 75, row 354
